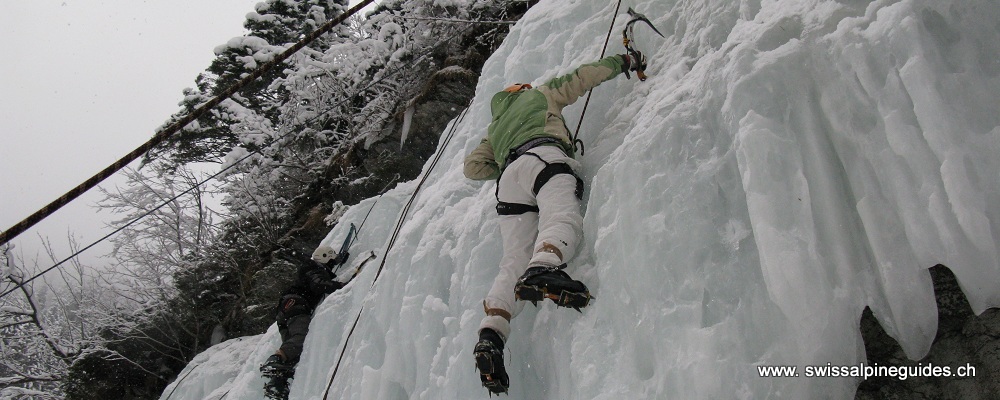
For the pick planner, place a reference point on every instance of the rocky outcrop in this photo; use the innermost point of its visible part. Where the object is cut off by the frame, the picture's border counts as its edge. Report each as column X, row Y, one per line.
column 963, row 339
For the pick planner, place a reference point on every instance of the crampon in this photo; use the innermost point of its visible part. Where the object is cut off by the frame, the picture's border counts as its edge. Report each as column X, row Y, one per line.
column 489, row 361
column 276, row 389
column 278, row 374
column 539, row 283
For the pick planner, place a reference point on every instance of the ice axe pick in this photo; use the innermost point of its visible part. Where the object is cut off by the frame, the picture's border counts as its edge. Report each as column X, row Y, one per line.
column 627, row 39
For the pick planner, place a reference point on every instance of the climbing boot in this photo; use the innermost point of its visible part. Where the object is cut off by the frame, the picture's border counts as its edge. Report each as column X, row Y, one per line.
column 278, row 373
column 545, row 282
column 489, row 361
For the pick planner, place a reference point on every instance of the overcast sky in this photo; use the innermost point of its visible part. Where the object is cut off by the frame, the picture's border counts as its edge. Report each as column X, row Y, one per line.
column 84, row 82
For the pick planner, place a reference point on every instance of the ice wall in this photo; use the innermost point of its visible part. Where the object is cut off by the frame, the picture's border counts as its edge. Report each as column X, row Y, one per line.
column 787, row 164
column 211, row 374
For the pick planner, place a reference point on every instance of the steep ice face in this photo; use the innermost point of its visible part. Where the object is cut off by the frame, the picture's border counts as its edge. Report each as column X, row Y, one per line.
column 211, row 374
column 786, row 164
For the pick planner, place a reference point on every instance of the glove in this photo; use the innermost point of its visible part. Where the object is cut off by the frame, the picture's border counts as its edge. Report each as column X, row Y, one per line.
column 321, row 281
column 634, row 60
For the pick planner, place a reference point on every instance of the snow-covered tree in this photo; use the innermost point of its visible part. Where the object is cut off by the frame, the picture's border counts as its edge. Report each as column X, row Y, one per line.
column 174, row 222
column 325, row 127
column 272, row 27
column 45, row 325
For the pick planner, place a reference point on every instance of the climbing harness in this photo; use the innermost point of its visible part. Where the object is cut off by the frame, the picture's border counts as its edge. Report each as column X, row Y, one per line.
column 547, row 173
column 523, row 148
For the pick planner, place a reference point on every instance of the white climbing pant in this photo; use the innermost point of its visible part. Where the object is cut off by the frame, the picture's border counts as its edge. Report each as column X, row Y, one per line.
column 558, row 223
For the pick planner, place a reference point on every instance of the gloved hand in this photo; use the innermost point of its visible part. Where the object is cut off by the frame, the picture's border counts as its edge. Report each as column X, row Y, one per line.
column 322, row 281
column 634, row 60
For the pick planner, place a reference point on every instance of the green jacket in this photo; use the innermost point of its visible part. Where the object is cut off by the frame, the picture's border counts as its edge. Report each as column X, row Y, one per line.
column 528, row 114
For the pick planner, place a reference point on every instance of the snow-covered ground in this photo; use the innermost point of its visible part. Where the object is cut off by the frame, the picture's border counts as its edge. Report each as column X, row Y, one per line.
column 786, row 164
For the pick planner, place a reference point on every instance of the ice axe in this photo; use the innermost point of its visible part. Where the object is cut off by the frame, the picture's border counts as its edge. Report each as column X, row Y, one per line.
column 627, row 40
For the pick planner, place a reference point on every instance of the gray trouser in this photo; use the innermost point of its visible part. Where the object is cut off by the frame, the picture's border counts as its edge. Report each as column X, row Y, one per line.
column 294, row 315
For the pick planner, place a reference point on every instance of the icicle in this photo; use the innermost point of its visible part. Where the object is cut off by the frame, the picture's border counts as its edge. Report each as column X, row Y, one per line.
column 407, row 119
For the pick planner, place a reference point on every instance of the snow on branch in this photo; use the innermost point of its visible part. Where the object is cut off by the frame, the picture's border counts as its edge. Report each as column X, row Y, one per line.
column 15, row 310
column 460, row 21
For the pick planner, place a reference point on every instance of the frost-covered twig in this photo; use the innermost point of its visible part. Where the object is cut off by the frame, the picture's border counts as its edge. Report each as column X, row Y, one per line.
column 462, row 21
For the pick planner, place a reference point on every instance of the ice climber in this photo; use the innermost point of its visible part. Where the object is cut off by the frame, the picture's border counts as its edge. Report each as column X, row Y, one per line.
column 314, row 280
column 529, row 151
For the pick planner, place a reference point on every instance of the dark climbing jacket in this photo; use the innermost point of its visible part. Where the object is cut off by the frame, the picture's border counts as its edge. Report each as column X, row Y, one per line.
column 313, row 280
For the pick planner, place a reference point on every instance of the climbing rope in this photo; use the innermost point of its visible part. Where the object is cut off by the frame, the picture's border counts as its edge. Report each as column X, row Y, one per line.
column 607, row 40
column 357, row 232
column 232, row 165
column 179, row 381
column 164, row 134
column 121, row 228
column 392, row 242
